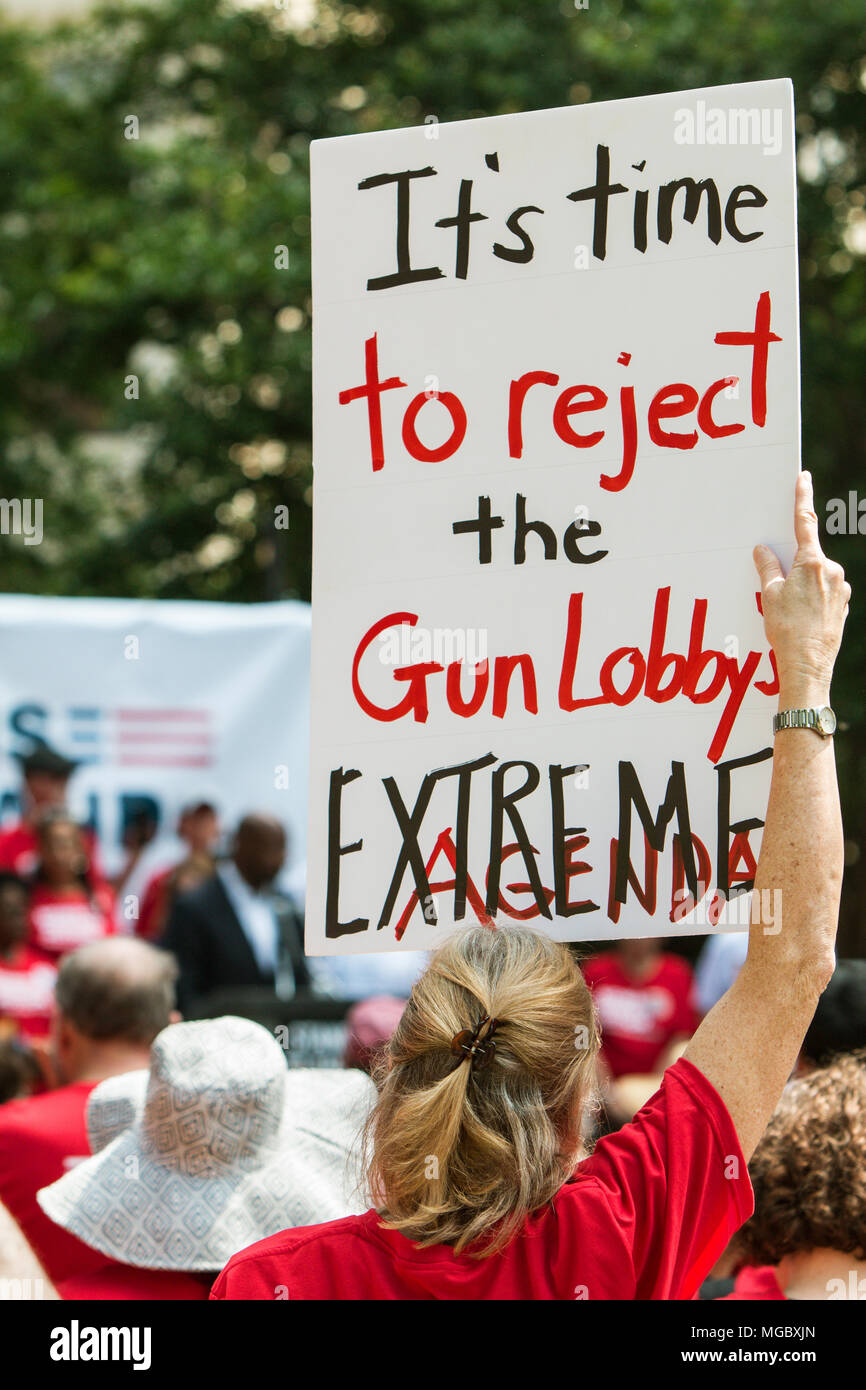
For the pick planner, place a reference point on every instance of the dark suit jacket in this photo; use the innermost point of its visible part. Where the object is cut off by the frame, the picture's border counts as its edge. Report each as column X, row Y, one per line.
column 212, row 950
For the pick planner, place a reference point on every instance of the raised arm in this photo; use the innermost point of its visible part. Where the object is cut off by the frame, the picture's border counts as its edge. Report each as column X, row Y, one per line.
column 748, row 1043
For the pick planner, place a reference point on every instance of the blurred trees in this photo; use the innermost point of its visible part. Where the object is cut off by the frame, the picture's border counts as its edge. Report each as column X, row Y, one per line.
column 152, row 265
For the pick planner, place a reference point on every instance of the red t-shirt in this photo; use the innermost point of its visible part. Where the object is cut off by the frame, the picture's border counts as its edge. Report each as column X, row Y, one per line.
column 19, row 850
column 154, row 901
column 645, row 1217
column 640, row 1018
column 41, row 1137
column 27, row 991
column 114, row 1282
column 756, row 1282
column 60, row 922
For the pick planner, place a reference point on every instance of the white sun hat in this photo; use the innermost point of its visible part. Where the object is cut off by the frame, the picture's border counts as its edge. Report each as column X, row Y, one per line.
column 113, row 1106
column 219, row 1145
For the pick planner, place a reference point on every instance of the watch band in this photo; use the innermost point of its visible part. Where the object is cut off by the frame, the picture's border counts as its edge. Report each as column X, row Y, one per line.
column 822, row 720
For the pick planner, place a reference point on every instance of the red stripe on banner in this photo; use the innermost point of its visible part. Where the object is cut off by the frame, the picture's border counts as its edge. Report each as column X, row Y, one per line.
column 142, row 760
column 127, row 737
column 187, row 715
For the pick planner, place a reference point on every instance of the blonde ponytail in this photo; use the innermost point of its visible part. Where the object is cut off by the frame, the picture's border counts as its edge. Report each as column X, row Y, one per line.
column 459, row 1154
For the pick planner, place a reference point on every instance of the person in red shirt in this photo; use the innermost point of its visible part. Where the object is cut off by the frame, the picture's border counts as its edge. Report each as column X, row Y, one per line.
column 644, row 998
column 199, row 829
column 46, row 775
column 475, row 1173
column 27, row 975
column 807, row 1237
column 112, row 998
column 642, row 1218
column 67, row 909
column 225, row 1143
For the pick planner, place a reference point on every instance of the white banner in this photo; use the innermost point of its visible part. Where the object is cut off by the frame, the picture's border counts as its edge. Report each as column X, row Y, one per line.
column 162, row 703
column 556, row 405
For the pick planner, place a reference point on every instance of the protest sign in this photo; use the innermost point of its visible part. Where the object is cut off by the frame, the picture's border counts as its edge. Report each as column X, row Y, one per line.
column 556, row 406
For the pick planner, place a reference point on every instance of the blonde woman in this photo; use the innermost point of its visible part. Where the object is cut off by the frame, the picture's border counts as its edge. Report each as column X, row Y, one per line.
column 479, row 1186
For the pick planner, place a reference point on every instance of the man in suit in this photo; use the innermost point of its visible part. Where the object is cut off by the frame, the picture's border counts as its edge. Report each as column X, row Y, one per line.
column 235, row 930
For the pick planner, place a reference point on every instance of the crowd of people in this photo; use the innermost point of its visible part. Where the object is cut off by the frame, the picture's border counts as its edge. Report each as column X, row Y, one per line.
column 515, row 1118
column 220, row 913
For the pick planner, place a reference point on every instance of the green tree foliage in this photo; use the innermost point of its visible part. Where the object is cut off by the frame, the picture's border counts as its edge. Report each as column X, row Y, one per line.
column 157, row 257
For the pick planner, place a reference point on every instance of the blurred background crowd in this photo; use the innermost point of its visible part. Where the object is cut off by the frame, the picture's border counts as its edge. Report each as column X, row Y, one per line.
column 210, row 899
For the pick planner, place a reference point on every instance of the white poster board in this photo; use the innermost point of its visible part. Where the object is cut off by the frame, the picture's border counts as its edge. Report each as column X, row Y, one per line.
column 161, row 703
column 556, row 406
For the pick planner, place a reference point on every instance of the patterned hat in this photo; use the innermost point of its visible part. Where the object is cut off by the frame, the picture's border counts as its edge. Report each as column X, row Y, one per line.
column 113, row 1106
column 227, row 1146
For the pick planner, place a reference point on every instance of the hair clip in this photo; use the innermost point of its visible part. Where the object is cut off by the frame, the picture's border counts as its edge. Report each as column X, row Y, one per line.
column 477, row 1044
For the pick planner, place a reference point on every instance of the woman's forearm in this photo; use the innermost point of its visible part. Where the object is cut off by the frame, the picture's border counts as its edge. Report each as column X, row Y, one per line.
column 799, row 877
column 748, row 1043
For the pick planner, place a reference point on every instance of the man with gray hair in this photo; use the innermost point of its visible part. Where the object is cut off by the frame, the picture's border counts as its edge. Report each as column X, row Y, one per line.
column 112, row 997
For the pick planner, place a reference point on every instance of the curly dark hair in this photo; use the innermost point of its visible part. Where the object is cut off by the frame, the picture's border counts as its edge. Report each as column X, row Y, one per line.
column 809, row 1170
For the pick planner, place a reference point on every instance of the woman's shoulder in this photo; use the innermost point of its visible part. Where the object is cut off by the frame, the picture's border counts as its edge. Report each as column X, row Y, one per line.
column 258, row 1270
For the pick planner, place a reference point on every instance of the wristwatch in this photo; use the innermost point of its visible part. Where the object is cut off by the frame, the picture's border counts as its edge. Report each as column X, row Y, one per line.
column 822, row 720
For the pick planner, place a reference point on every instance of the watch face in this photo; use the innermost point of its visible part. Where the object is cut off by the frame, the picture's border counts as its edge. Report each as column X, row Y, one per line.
column 827, row 720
